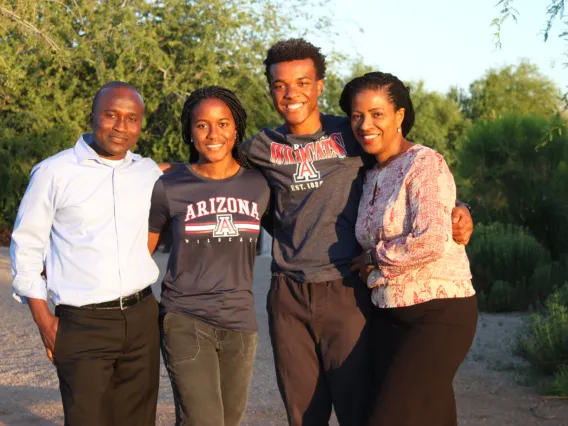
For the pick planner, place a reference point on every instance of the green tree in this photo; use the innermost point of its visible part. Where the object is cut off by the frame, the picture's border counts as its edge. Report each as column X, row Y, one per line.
column 554, row 13
column 519, row 89
column 165, row 48
column 335, row 81
column 439, row 122
column 516, row 171
column 54, row 55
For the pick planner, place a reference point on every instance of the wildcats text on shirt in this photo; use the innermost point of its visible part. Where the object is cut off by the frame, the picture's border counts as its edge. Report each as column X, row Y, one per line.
column 324, row 149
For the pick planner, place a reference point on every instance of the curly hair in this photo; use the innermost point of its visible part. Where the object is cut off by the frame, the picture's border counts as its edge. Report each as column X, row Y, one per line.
column 239, row 115
column 295, row 49
column 397, row 93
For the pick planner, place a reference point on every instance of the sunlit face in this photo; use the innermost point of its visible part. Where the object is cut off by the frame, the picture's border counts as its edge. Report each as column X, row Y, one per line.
column 295, row 90
column 117, row 121
column 213, row 130
column 375, row 122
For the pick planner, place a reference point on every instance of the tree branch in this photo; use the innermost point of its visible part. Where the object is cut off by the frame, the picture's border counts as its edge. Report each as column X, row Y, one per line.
column 14, row 17
column 77, row 16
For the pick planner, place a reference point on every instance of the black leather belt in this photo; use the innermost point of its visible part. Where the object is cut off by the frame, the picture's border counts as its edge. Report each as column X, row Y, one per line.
column 122, row 302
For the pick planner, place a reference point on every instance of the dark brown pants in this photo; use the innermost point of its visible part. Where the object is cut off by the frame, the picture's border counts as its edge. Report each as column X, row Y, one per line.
column 320, row 337
column 108, row 364
column 428, row 342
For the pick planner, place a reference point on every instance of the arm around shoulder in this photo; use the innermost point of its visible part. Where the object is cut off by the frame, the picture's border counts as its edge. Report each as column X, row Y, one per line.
column 159, row 215
column 462, row 223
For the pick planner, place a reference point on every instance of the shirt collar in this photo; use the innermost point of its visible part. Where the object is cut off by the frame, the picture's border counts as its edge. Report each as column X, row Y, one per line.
column 84, row 152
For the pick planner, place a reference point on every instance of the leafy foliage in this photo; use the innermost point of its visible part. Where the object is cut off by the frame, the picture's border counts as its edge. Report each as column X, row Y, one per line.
column 165, row 48
column 555, row 9
column 554, row 12
column 519, row 89
column 23, row 152
column 515, row 171
column 501, row 297
column 439, row 122
column 335, row 82
column 55, row 55
column 544, row 341
column 548, row 347
column 548, row 276
column 503, row 258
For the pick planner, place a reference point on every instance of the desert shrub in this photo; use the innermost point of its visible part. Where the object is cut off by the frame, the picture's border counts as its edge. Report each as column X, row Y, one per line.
column 560, row 381
column 545, row 344
column 546, row 277
column 503, row 259
column 544, row 341
column 515, row 170
column 501, row 296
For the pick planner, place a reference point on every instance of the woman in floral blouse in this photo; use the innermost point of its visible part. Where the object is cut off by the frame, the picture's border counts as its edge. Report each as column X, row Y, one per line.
column 419, row 277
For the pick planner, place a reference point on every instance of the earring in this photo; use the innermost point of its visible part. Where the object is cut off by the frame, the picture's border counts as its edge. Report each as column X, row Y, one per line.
column 398, row 130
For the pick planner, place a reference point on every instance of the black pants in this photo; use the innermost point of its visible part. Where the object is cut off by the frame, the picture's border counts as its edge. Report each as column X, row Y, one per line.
column 428, row 342
column 108, row 364
column 210, row 370
column 320, row 338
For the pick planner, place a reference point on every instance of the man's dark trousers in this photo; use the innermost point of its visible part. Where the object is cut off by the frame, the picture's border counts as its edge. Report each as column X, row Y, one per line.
column 108, row 363
column 320, row 337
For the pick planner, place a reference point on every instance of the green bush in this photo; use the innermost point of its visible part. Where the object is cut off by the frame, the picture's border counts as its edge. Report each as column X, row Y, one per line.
column 545, row 344
column 544, row 341
column 546, row 277
column 503, row 259
column 501, row 296
column 560, row 382
column 515, row 170
column 22, row 152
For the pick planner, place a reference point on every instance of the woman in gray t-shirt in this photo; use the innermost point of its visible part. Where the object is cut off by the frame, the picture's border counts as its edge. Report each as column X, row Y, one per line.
column 213, row 206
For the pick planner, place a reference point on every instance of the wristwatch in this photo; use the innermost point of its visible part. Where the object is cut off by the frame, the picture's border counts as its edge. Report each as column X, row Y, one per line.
column 369, row 258
column 461, row 203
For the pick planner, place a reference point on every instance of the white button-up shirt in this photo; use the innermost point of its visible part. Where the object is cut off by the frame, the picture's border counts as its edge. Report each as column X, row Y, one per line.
column 88, row 221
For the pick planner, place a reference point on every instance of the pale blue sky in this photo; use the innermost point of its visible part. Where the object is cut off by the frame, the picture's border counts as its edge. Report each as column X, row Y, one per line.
column 445, row 42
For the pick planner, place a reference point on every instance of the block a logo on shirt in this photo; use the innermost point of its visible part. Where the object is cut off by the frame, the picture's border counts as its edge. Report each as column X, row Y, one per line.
column 225, row 226
column 306, row 172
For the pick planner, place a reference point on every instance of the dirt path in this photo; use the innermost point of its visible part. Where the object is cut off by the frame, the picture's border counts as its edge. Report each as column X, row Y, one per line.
column 489, row 387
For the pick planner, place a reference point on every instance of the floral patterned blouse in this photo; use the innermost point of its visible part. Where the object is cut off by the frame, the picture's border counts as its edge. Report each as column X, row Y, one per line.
column 405, row 215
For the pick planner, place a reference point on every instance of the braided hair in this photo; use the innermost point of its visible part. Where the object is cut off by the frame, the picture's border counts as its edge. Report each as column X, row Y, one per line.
column 239, row 115
column 397, row 93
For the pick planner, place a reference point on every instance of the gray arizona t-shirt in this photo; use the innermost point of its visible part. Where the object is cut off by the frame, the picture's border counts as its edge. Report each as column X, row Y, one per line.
column 215, row 226
column 316, row 183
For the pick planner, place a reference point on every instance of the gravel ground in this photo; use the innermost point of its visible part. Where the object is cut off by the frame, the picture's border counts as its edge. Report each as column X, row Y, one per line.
column 489, row 385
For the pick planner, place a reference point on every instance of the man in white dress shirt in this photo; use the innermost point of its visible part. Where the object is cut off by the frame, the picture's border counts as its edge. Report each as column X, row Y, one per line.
column 85, row 216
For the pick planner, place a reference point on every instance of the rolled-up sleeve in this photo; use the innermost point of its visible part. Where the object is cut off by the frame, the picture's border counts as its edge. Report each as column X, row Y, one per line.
column 30, row 238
